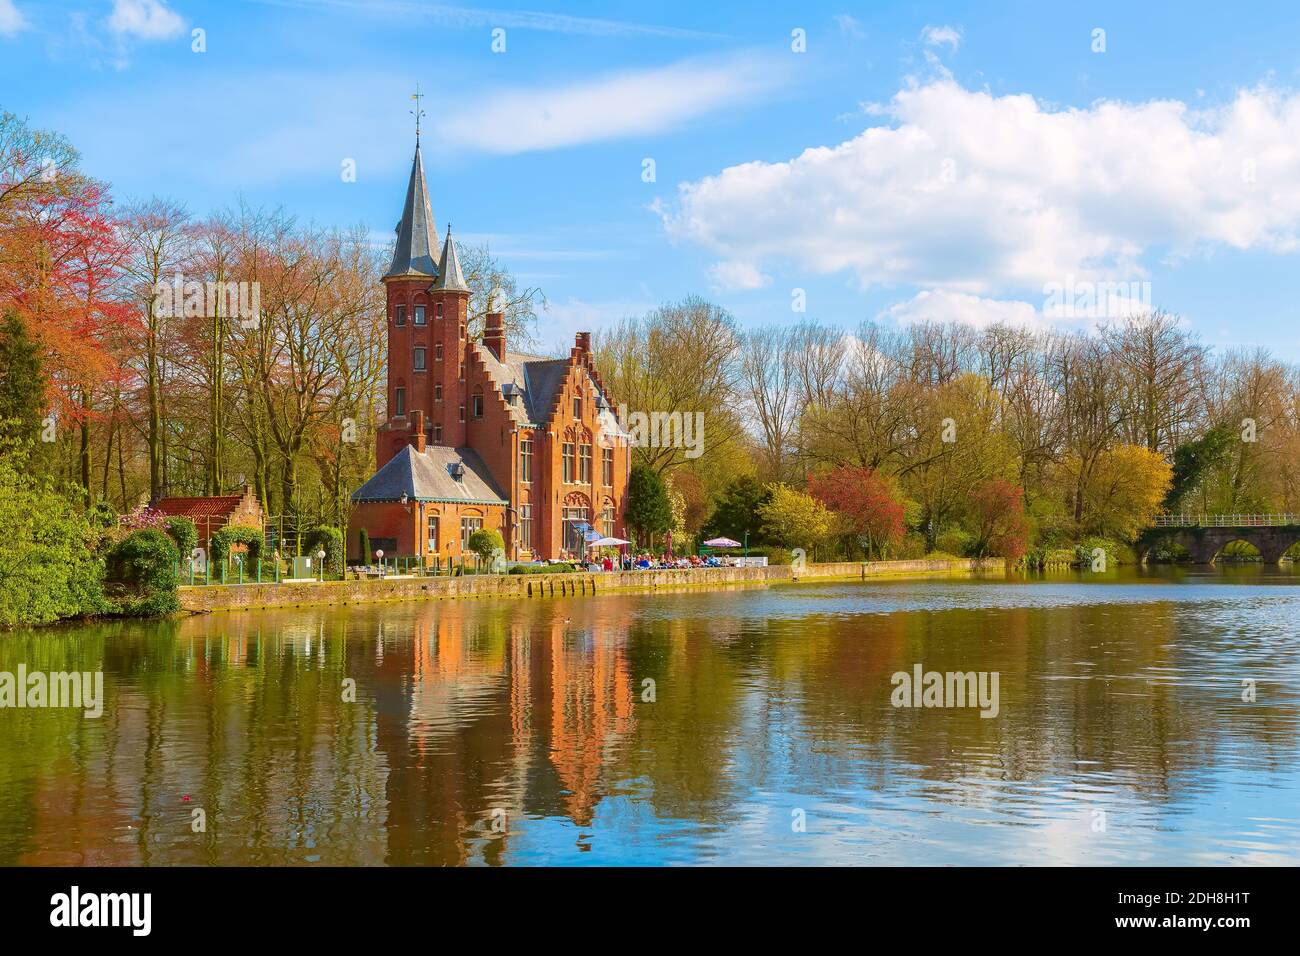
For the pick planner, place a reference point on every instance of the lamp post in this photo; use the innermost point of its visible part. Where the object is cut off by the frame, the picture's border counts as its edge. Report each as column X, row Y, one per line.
column 320, row 556
column 379, row 554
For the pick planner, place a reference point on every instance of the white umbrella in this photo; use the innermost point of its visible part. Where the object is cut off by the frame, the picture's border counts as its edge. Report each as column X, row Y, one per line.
column 608, row 542
column 721, row 543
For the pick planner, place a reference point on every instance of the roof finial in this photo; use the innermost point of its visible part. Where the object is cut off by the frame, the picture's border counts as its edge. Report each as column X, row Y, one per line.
column 417, row 112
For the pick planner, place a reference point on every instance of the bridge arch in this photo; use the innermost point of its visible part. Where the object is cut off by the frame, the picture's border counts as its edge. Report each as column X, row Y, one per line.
column 1204, row 543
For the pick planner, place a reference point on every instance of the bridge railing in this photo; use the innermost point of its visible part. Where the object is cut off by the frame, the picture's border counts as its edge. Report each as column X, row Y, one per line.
column 1225, row 521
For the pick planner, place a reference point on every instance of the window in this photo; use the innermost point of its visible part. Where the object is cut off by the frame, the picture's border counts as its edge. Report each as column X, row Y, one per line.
column 584, row 464
column 467, row 527
column 437, row 434
column 526, row 526
column 437, row 393
column 399, row 315
column 433, row 533
column 437, row 310
column 526, row 461
column 419, row 315
column 437, row 352
column 607, row 466
column 607, row 521
column 462, row 413
column 577, row 406
column 568, row 461
column 399, row 402
column 575, row 524
column 476, row 405
column 419, row 359
column 462, row 371
column 462, row 330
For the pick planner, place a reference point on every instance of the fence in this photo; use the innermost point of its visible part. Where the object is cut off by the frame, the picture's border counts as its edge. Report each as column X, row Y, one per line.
column 1225, row 521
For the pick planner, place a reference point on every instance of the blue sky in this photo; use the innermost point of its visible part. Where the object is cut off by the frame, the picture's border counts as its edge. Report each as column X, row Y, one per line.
column 941, row 160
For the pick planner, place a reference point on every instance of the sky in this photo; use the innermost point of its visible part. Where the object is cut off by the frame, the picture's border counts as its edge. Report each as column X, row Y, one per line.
column 1043, row 164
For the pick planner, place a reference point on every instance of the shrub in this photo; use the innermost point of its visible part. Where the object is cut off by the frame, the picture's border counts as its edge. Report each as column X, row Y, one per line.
column 541, row 569
column 329, row 540
column 232, row 534
column 485, row 542
column 183, row 532
column 142, row 574
column 366, row 552
column 48, row 568
column 956, row 541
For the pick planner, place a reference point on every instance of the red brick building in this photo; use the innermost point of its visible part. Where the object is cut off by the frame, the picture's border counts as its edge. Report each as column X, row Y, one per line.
column 211, row 514
column 478, row 435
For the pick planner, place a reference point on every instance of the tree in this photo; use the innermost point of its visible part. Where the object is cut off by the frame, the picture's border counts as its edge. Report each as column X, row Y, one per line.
column 736, row 514
column 1193, row 460
column 866, row 506
column 22, row 383
column 486, row 542
column 649, row 510
column 997, row 520
column 1124, row 489
column 795, row 519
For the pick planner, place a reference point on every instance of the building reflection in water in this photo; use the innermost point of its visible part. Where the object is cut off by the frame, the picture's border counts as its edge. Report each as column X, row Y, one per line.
column 494, row 732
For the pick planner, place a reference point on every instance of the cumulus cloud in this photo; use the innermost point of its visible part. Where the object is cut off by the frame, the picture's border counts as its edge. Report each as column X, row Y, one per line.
column 939, row 306
column 635, row 102
column 737, row 275
column 145, row 20
column 11, row 18
column 965, row 191
column 942, row 36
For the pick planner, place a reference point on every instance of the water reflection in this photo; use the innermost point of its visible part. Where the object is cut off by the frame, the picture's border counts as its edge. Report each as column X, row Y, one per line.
column 675, row 728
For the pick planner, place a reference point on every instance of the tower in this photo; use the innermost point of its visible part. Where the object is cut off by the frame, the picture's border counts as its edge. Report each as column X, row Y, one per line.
column 411, row 346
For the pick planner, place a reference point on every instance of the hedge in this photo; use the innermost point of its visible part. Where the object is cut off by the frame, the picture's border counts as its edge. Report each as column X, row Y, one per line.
column 232, row 534
column 142, row 567
column 329, row 540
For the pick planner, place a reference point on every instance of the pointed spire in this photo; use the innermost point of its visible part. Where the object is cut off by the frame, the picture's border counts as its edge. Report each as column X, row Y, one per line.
column 413, row 255
column 450, row 278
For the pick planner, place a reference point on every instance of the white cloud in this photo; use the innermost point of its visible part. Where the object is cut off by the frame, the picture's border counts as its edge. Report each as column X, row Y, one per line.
column 849, row 25
column 976, row 193
column 938, row 36
column 961, row 307
column 737, row 275
column 11, row 18
column 145, row 20
column 637, row 102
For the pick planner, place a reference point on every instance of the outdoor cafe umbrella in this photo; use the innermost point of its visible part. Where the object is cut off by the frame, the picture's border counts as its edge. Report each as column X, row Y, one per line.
column 609, row 542
column 721, row 543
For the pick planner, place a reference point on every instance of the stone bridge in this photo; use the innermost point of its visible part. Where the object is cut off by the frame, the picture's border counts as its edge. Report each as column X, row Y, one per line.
column 1204, row 536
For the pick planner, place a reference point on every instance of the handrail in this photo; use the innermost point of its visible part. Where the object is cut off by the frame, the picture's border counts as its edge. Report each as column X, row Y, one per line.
column 1225, row 521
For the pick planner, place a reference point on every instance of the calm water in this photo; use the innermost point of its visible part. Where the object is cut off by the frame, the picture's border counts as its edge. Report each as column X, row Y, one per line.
column 517, row 733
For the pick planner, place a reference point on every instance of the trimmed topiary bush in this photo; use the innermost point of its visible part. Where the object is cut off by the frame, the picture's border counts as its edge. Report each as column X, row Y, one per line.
column 142, row 574
column 485, row 542
column 329, row 540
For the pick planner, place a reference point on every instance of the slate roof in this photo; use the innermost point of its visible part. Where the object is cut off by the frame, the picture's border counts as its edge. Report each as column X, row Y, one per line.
column 536, row 380
column 427, row 477
column 416, row 242
column 450, row 278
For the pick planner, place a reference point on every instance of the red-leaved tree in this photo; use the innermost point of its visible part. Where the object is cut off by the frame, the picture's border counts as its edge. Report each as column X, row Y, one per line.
column 865, row 505
column 997, row 515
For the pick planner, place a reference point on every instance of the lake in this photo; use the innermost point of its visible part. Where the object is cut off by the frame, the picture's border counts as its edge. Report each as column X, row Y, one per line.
column 1141, row 718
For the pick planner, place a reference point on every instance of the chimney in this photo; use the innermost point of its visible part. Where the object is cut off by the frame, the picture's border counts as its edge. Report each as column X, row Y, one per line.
column 583, row 341
column 494, row 335
column 417, row 430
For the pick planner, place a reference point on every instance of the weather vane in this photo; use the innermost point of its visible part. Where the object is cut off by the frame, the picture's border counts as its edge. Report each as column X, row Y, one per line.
column 417, row 112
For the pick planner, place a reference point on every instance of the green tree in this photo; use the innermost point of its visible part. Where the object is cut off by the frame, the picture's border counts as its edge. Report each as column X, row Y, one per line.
column 485, row 542
column 143, row 574
column 737, row 511
column 649, row 510
column 48, row 569
column 22, row 383
column 1193, row 460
